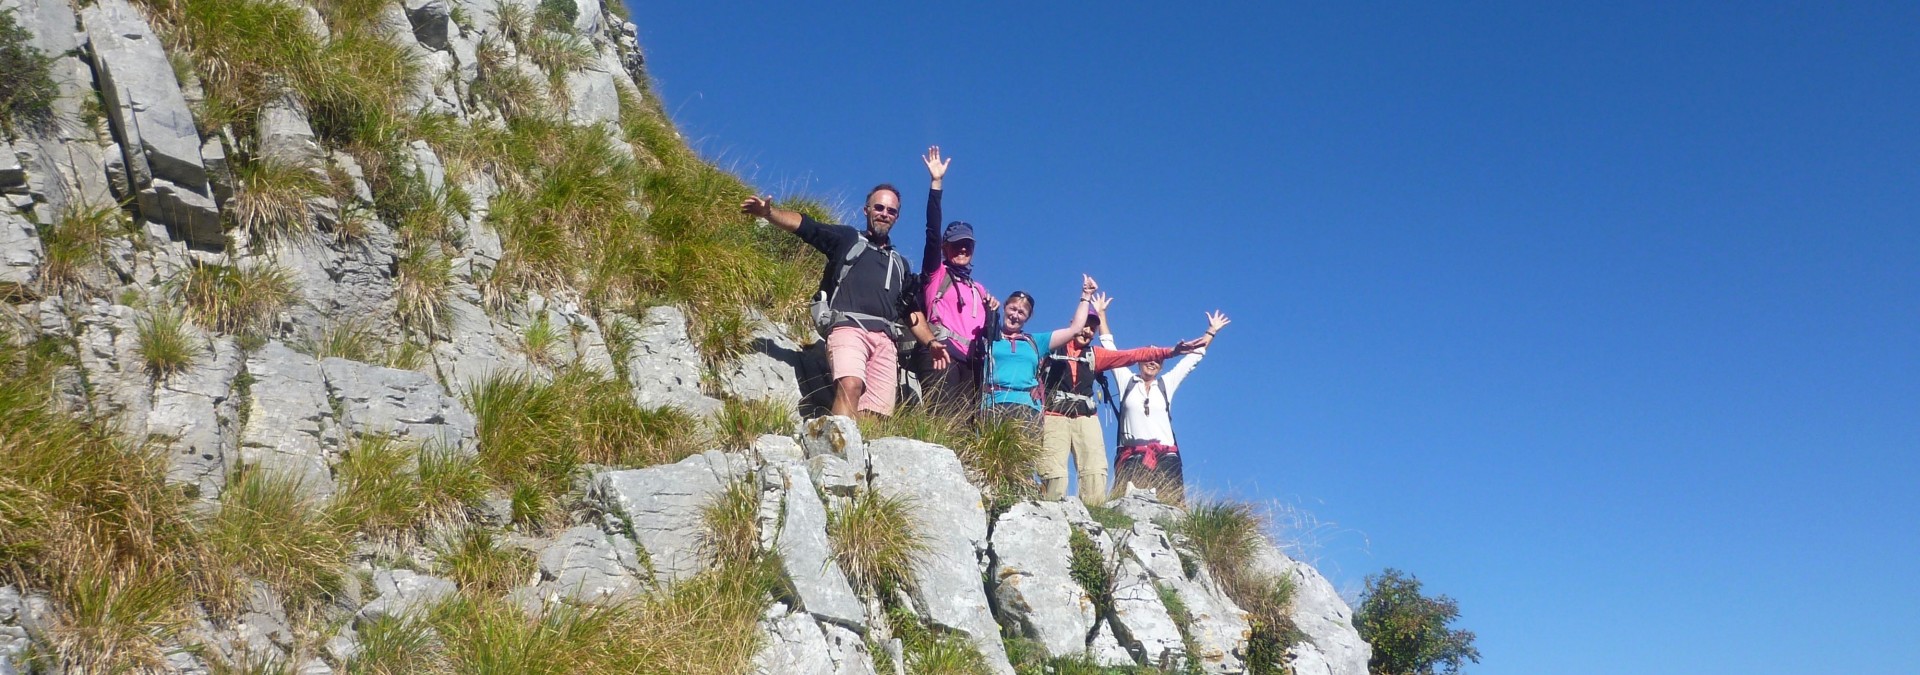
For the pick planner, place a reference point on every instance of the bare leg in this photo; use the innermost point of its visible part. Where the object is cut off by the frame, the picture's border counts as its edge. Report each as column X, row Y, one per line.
column 846, row 396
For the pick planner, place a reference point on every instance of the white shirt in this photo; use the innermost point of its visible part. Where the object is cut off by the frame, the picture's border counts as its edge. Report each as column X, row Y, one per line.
column 1143, row 404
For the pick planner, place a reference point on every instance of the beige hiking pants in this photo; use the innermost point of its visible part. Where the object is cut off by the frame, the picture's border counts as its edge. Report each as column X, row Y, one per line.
column 1081, row 439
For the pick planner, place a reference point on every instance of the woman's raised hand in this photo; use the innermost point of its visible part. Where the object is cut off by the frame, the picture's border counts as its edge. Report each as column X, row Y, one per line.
column 1100, row 303
column 1087, row 288
column 936, row 167
column 1216, row 321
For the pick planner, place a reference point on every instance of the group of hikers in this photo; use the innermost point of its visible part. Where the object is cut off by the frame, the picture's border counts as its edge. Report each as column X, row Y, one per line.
column 972, row 351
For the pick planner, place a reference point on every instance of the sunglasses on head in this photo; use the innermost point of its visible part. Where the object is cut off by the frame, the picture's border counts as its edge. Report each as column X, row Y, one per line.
column 882, row 208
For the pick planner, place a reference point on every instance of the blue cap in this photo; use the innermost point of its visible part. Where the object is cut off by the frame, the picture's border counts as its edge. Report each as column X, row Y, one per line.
column 958, row 231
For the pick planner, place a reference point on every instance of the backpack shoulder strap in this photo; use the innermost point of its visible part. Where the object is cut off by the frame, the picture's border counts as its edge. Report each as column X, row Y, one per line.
column 846, row 262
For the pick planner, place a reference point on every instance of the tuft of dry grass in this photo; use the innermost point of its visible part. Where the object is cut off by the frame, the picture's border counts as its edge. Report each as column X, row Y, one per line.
column 272, row 201
column 76, row 245
column 878, row 540
column 270, row 530
column 235, row 299
column 167, row 345
column 91, row 521
column 423, row 292
column 731, row 527
column 476, row 560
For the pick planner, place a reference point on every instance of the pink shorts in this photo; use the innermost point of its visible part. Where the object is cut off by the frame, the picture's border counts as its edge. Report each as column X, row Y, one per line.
column 870, row 356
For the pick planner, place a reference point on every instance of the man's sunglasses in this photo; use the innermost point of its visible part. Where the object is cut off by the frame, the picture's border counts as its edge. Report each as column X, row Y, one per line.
column 881, row 208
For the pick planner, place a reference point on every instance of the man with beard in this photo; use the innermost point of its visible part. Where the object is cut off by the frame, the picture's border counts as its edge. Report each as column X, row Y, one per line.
column 864, row 301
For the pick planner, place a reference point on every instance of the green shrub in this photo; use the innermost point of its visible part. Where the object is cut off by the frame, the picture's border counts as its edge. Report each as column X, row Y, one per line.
column 1408, row 630
column 556, row 15
column 27, row 89
column 541, row 341
column 1088, row 567
column 932, row 653
column 387, row 488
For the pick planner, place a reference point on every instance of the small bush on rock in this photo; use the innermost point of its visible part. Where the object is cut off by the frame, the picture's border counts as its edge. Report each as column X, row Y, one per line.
column 1226, row 536
column 475, row 559
column 235, row 299
column 1408, row 630
column 732, row 528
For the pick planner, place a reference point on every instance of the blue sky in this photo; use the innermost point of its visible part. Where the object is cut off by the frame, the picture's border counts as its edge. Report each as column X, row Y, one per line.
column 1604, row 321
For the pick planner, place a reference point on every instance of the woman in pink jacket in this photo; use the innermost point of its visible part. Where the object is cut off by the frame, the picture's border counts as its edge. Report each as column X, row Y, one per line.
column 957, row 306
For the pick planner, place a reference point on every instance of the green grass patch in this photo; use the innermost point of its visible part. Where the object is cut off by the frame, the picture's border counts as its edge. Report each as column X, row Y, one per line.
column 269, row 529
column 1089, row 568
column 533, row 433
column 743, row 422
column 388, row 488
column 476, row 560
column 391, row 645
column 929, row 652
column 708, row 624
column 166, row 344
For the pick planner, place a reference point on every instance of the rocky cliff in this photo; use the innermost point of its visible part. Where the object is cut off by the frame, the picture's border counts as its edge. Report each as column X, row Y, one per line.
column 267, row 238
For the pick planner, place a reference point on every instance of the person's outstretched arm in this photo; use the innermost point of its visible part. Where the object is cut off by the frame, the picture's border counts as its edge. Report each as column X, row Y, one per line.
column 1177, row 374
column 1100, row 304
column 1060, row 337
column 930, row 255
column 762, row 207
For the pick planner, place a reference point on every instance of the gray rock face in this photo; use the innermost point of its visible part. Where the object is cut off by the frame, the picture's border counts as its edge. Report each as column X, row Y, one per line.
column 20, row 252
column 476, row 347
column 585, row 564
column 797, row 645
column 151, row 118
column 834, row 475
column 290, row 427
column 835, row 436
column 1218, row 628
column 777, row 450
column 1140, row 616
column 191, row 414
column 431, row 22
column 1333, row 646
column 592, row 96
column 341, row 281
column 13, row 175
column 947, row 579
column 286, row 136
column 662, row 505
column 818, row 581
column 768, row 373
column 403, row 404
column 1033, row 579
column 663, row 366
column 14, row 622
column 405, row 593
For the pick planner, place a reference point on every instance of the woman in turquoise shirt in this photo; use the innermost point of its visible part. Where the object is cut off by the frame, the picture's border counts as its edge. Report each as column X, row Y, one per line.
column 1011, row 378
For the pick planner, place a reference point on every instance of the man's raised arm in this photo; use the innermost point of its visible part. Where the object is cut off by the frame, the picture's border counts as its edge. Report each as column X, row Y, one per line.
column 762, row 207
